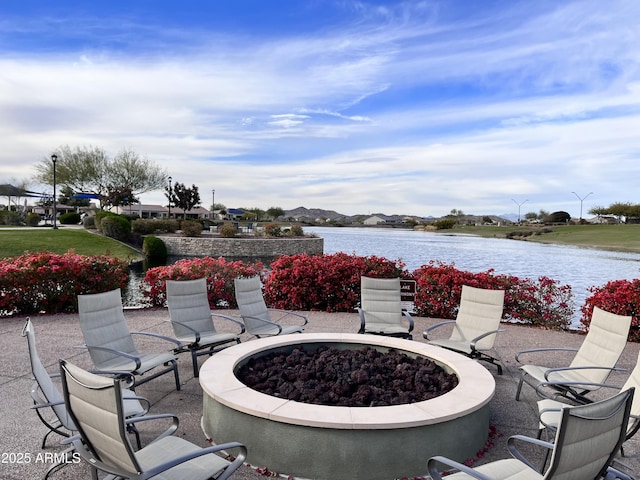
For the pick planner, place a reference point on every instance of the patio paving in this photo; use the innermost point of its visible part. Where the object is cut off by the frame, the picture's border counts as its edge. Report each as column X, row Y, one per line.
column 58, row 336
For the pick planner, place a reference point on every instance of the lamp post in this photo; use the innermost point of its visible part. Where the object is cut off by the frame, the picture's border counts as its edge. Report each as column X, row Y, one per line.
column 169, row 197
column 581, row 200
column 519, row 205
column 54, row 159
column 213, row 204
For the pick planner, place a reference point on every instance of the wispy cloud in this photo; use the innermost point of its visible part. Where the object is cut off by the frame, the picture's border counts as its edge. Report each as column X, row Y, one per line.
column 417, row 107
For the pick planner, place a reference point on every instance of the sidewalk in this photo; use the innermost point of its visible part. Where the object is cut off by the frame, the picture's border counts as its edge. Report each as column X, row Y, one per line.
column 58, row 336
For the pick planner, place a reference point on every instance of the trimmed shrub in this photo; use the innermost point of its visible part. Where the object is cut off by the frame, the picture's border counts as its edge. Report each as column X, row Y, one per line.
column 444, row 224
column 33, row 220
column 144, row 226
column 191, row 228
column 49, row 283
column 541, row 303
column 69, row 218
column 9, row 217
column 272, row 230
column 296, row 231
column 621, row 297
column 228, row 230
column 154, row 248
column 219, row 274
column 89, row 222
column 116, row 226
column 329, row 283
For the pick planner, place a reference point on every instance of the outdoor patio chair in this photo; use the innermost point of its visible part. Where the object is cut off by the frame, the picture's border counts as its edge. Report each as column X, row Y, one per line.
column 476, row 326
column 586, row 442
column 381, row 310
column 47, row 398
column 192, row 320
column 111, row 345
column 95, row 405
column 593, row 362
column 549, row 410
column 257, row 317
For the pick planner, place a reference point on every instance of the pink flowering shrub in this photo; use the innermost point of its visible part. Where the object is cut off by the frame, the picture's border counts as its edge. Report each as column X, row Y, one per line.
column 219, row 274
column 543, row 303
column 621, row 297
column 329, row 283
column 49, row 283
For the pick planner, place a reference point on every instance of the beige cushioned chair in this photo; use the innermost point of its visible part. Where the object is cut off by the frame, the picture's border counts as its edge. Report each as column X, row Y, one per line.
column 95, row 405
column 586, row 442
column 550, row 410
column 476, row 326
column 193, row 320
column 381, row 310
column 257, row 318
column 111, row 345
column 593, row 362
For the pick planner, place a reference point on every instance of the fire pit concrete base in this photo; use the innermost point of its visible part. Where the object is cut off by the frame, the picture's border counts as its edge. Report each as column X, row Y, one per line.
column 326, row 442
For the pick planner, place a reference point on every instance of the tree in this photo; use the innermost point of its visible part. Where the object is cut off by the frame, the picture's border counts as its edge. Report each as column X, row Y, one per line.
column 66, row 197
column 183, row 197
column 531, row 216
column 275, row 212
column 559, row 217
column 90, row 170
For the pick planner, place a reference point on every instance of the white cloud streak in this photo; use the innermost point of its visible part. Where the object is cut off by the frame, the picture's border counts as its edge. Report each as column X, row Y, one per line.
column 413, row 108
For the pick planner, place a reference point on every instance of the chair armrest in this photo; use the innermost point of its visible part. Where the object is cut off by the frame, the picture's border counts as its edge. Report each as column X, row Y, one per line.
column 226, row 317
column 409, row 318
column 156, row 335
column 425, row 334
column 515, row 453
column 551, row 371
column 184, row 325
column 226, row 473
column 435, row 474
column 267, row 322
column 160, row 416
column 115, row 352
column 286, row 313
column 546, row 349
column 480, row 337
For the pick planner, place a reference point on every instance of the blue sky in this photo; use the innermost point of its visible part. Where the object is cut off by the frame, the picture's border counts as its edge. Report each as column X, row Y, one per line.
column 414, row 107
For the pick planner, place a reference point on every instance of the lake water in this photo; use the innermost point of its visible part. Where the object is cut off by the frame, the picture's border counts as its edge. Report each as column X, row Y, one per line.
column 579, row 267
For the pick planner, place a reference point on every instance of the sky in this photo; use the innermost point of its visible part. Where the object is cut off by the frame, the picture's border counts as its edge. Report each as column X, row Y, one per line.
column 362, row 107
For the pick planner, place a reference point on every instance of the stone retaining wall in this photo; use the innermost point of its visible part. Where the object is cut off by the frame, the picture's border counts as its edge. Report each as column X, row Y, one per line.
column 208, row 246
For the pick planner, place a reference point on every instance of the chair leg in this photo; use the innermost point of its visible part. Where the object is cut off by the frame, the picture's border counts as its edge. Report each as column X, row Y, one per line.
column 176, row 374
column 519, row 387
column 194, row 362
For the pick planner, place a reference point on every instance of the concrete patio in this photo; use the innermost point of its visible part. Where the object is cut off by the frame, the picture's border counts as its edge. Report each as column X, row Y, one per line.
column 58, row 337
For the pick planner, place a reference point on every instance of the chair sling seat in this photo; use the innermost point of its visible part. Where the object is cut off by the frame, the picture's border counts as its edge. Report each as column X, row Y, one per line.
column 507, row 469
column 168, row 448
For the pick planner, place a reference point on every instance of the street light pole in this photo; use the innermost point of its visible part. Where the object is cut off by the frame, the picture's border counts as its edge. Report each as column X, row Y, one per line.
column 54, row 159
column 169, row 197
column 213, row 204
column 519, row 205
column 581, row 200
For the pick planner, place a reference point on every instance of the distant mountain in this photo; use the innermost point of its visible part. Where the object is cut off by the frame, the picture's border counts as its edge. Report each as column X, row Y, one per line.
column 313, row 214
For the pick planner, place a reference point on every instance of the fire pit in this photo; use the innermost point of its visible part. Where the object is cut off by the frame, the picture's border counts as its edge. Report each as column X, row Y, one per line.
column 317, row 441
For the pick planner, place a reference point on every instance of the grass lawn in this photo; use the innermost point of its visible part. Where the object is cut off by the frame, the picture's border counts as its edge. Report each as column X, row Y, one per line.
column 14, row 242
column 621, row 238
